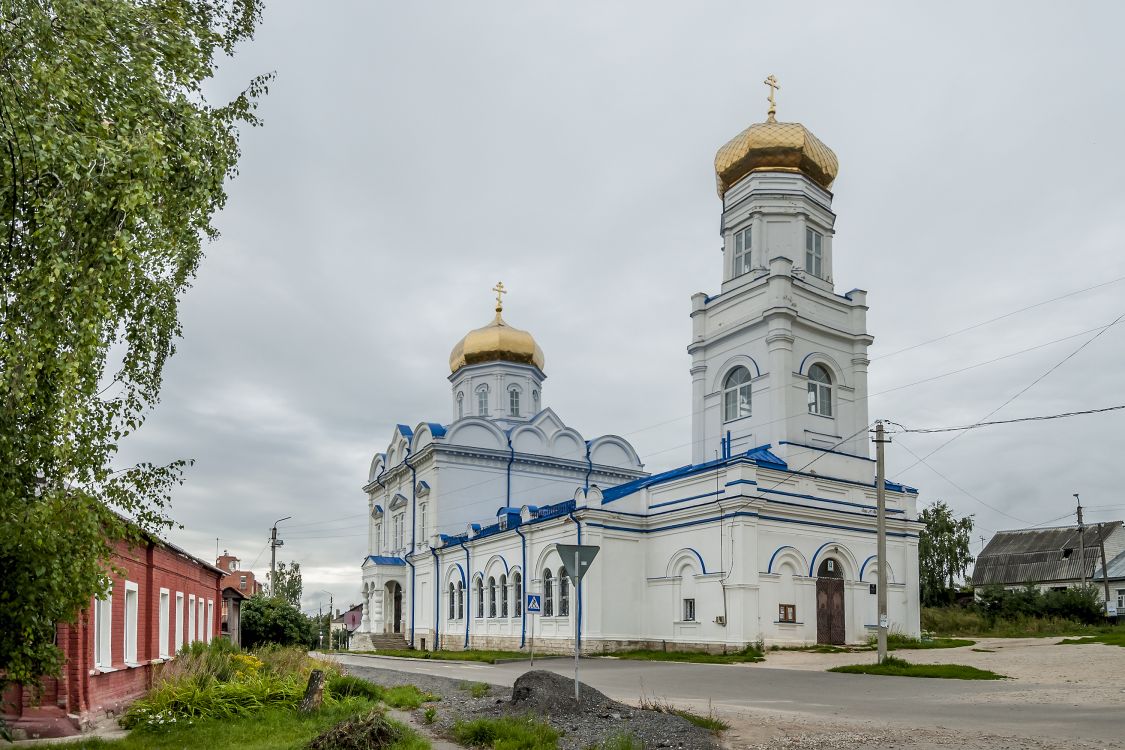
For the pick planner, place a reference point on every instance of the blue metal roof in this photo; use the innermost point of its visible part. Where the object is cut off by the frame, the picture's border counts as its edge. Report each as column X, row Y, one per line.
column 436, row 429
column 760, row 455
column 406, row 431
column 384, row 560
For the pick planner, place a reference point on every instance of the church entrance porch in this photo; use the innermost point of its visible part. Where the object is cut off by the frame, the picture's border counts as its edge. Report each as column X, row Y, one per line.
column 830, row 603
column 394, row 595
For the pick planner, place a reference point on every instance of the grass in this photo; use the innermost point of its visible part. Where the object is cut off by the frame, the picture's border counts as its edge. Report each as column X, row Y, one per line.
column 820, row 648
column 958, row 621
column 476, row 689
column 748, row 654
column 895, row 667
column 399, row 696
column 506, row 733
column 1113, row 638
column 623, row 741
column 896, row 641
column 487, row 657
column 708, row 721
column 271, row 729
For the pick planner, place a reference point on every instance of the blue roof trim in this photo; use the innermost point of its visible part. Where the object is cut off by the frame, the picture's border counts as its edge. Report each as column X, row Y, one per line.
column 436, row 429
column 760, row 455
column 384, row 560
column 829, row 500
column 824, row 450
column 406, row 431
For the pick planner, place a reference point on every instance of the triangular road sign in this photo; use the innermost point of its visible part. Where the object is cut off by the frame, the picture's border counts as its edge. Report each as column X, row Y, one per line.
column 586, row 555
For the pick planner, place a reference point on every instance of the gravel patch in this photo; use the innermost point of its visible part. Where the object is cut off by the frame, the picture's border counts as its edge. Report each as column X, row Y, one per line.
column 548, row 697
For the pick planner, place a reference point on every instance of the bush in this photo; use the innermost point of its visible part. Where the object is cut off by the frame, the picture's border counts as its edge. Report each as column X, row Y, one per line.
column 346, row 685
column 174, row 703
column 269, row 620
column 1080, row 603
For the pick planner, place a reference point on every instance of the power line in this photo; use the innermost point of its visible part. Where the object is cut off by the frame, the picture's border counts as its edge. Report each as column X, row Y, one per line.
column 976, row 425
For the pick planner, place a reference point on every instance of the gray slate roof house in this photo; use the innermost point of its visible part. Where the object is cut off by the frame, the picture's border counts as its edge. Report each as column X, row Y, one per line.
column 1050, row 557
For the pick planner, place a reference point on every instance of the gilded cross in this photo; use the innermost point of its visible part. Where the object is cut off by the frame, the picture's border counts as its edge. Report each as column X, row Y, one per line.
column 499, row 289
column 774, row 86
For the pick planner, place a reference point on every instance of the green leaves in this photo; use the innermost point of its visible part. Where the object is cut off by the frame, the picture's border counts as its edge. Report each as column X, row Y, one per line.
column 943, row 552
column 112, row 165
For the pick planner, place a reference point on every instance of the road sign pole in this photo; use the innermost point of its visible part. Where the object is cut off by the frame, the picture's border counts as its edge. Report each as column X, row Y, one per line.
column 532, row 623
column 577, row 616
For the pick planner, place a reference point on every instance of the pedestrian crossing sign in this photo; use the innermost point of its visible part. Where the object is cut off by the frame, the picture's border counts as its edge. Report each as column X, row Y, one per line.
column 534, row 603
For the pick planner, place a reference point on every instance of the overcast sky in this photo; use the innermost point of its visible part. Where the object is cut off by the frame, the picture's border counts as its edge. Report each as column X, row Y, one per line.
column 414, row 153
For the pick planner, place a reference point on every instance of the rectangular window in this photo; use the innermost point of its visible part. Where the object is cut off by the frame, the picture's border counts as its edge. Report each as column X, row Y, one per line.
column 191, row 617
column 482, row 402
column 103, row 631
column 210, row 619
column 741, row 252
column 422, row 522
column 200, row 621
column 787, row 613
column 814, row 253
column 165, row 623
column 242, row 582
column 179, row 620
column 1121, row 601
column 132, row 612
column 689, row 610
column 513, row 403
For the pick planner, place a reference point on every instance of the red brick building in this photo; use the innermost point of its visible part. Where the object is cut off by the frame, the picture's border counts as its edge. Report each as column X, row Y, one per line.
column 165, row 599
column 234, row 577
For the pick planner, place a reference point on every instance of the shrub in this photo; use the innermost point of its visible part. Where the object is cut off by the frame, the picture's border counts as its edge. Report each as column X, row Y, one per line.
column 270, row 620
column 1080, row 603
column 346, row 685
column 172, row 703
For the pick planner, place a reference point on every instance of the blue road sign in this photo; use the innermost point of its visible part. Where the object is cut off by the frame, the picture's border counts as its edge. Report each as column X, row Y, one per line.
column 534, row 603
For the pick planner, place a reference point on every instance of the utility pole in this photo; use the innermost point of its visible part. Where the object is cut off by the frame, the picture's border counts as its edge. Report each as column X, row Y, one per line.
column 1081, row 542
column 274, row 544
column 1105, row 575
column 881, row 495
column 982, row 542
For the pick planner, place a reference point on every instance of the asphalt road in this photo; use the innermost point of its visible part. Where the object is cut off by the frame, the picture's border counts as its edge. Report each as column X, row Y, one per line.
column 1007, row 708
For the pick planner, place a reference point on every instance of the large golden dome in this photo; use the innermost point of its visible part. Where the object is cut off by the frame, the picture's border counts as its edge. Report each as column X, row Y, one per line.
column 496, row 342
column 773, row 146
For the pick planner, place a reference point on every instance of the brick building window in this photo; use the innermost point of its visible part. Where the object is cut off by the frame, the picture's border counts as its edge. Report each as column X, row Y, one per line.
column 200, row 621
column 191, row 618
column 242, row 583
column 132, row 613
column 103, row 631
column 787, row 613
column 165, row 623
column 210, row 620
column 179, row 620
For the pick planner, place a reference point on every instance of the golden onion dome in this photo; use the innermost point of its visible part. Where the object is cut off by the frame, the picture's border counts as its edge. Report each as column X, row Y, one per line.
column 496, row 342
column 773, row 146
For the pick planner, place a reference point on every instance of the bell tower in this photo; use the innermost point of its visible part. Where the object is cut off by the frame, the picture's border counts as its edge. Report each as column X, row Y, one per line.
column 778, row 357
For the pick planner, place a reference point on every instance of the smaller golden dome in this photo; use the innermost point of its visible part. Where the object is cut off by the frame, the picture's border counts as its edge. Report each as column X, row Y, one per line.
column 496, row 342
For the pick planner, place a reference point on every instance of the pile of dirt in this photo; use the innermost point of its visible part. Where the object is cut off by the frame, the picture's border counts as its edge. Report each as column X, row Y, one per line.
column 550, row 694
column 369, row 732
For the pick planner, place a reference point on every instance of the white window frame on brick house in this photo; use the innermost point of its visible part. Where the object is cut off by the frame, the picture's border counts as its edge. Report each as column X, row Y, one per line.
column 210, row 620
column 165, row 623
column 190, row 618
column 200, row 622
column 132, row 621
column 103, row 631
column 179, row 620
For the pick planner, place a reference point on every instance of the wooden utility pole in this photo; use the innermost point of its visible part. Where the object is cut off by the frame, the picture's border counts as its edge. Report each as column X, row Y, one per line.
column 274, row 544
column 881, row 495
column 1081, row 542
column 1105, row 573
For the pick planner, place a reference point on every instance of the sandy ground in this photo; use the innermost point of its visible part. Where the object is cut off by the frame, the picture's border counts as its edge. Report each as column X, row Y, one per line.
column 1044, row 671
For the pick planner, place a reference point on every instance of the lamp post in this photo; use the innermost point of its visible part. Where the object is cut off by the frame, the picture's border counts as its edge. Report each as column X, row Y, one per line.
column 331, row 613
column 274, row 544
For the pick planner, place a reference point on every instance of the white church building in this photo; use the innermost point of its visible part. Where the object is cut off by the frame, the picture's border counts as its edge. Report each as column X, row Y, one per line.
column 773, row 541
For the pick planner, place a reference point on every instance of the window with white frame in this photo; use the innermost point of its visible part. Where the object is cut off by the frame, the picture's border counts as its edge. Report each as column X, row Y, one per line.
column 820, row 391
column 548, row 595
column 191, row 618
column 689, row 610
column 452, row 601
column 165, row 623
column 132, row 612
column 491, row 596
column 460, row 405
column 242, row 583
column 460, row 600
column 741, row 252
column 398, row 531
column 482, row 401
column 513, row 402
column 564, row 593
column 422, row 522
column 199, row 635
column 1120, row 601
column 103, row 631
column 517, row 593
column 535, row 401
column 210, row 620
column 179, row 620
column 480, row 596
column 814, row 252
column 503, row 596
column 736, row 394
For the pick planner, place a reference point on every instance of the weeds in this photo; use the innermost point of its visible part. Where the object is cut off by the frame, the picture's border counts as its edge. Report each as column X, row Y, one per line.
column 429, row 715
column 623, row 741
column 748, row 654
column 407, row 697
column 346, row 685
column 1116, row 638
column 708, row 721
column 476, row 689
column 896, row 667
column 507, row 733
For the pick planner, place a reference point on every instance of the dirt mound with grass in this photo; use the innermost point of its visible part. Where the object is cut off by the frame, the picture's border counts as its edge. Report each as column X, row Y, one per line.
column 371, row 731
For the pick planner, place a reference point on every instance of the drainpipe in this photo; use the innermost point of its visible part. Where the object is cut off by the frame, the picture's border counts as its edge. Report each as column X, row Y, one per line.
column 578, row 587
column 413, row 536
column 523, row 586
column 589, row 468
column 511, row 458
column 468, row 594
column 437, row 601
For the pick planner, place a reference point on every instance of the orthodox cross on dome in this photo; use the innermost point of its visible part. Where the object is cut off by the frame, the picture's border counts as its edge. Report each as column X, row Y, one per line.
column 499, row 289
column 774, row 86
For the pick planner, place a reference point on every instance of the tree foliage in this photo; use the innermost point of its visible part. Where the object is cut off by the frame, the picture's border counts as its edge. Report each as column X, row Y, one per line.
column 112, row 165
column 285, row 583
column 267, row 619
column 1081, row 603
column 943, row 552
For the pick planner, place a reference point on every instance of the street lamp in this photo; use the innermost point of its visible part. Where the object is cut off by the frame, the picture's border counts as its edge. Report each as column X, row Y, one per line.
column 274, row 544
column 331, row 609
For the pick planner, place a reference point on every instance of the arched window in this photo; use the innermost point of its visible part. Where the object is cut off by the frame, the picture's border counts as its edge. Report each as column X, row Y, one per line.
column 564, row 593
column 503, row 596
column 535, row 401
column 491, row 596
column 548, row 595
column 820, row 391
column 517, row 593
column 460, row 600
column 736, row 394
column 480, row 596
column 513, row 402
column 452, row 602
column 460, row 405
column 482, row 401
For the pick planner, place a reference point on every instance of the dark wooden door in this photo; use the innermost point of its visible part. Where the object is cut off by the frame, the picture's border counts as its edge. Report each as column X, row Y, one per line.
column 830, row 611
column 398, row 608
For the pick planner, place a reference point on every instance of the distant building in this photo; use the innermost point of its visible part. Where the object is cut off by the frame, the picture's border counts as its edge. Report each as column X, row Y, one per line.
column 349, row 620
column 165, row 598
column 1055, row 558
column 234, row 577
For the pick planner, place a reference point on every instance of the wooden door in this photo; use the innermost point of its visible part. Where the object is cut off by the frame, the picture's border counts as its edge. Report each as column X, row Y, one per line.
column 830, row 611
column 398, row 609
